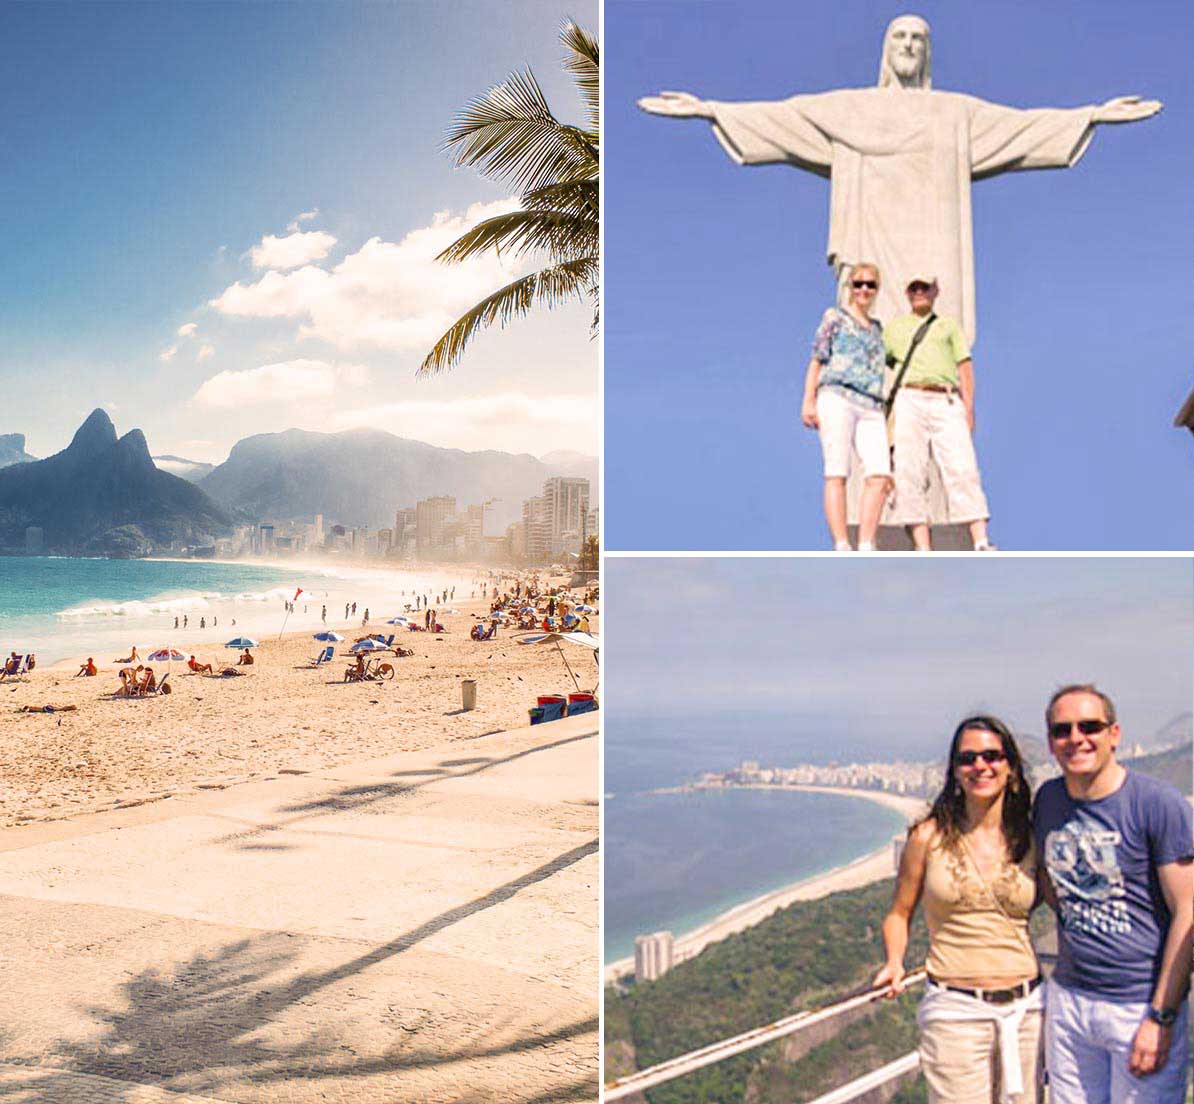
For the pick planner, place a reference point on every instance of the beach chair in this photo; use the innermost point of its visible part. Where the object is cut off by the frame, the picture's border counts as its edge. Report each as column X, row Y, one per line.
column 552, row 707
column 324, row 657
column 581, row 703
column 390, row 642
column 11, row 671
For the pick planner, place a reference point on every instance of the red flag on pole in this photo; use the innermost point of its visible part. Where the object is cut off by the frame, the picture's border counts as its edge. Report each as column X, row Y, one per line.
column 296, row 594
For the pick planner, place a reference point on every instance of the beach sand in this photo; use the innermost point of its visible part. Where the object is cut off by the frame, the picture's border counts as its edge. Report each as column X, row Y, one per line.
column 282, row 718
column 874, row 867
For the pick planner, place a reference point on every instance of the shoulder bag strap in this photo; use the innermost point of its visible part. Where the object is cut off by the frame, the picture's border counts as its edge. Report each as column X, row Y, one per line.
column 917, row 338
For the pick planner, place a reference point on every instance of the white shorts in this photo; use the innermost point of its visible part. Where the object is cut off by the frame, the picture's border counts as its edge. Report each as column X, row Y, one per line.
column 849, row 423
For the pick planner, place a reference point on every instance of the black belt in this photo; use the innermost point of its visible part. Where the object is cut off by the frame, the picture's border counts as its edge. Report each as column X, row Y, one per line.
column 993, row 996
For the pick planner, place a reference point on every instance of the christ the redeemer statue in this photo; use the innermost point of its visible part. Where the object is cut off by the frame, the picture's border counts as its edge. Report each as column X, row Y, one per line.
column 900, row 158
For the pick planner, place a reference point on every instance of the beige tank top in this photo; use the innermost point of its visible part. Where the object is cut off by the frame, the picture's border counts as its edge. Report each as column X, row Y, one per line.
column 969, row 938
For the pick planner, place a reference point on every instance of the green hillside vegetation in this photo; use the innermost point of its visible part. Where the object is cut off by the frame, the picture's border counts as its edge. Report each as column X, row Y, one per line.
column 806, row 956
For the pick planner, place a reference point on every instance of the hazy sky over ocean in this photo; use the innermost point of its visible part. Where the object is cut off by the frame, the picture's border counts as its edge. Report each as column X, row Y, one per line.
column 903, row 645
column 219, row 220
column 716, row 273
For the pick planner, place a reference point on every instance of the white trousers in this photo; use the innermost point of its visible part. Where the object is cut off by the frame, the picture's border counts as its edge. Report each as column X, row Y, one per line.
column 1087, row 1045
column 935, row 422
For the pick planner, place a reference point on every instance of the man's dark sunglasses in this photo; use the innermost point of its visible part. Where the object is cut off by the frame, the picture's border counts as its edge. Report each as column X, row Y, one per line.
column 920, row 285
column 872, row 284
column 987, row 755
column 1058, row 730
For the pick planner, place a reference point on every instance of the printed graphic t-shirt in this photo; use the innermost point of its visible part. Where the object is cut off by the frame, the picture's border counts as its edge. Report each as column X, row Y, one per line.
column 1102, row 857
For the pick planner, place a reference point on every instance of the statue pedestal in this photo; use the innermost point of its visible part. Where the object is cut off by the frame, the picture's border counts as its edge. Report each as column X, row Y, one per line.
column 893, row 536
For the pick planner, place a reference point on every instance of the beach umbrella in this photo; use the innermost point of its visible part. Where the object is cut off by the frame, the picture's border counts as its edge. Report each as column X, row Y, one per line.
column 399, row 620
column 587, row 640
column 241, row 642
column 369, row 644
column 166, row 655
column 327, row 634
column 585, row 609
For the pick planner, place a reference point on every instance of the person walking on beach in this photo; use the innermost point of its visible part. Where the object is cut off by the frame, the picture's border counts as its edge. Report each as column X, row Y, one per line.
column 176, row 621
column 972, row 862
column 933, row 412
column 323, row 615
column 843, row 400
column 427, row 619
column 184, row 620
column 365, row 619
column 1117, row 848
column 203, row 622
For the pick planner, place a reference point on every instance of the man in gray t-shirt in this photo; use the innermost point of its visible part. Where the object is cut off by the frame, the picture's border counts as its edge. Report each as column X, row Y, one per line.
column 1118, row 848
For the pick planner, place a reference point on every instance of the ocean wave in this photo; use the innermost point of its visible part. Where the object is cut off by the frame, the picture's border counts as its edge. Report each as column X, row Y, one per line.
column 171, row 604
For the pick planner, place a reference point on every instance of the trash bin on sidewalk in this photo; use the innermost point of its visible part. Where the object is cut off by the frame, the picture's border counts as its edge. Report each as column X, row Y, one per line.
column 468, row 693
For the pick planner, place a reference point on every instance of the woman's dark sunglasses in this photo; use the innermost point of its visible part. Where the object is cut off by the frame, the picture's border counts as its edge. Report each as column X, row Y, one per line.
column 872, row 284
column 987, row 755
column 1059, row 730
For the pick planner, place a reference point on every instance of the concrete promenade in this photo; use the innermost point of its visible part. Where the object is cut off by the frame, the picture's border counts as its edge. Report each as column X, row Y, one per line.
column 421, row 927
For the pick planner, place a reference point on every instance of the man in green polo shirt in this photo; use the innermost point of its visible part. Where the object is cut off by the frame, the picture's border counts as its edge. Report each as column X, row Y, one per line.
column 934, row 411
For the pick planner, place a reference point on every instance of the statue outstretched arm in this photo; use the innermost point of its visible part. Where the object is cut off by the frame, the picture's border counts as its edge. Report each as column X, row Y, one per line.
column 1126, row 109
column 680, row 105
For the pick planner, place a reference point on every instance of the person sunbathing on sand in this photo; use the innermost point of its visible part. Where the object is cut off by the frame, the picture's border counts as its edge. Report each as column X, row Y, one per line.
column 89, row 668
column 246, row 659
column 199, row 668
column 132, row 657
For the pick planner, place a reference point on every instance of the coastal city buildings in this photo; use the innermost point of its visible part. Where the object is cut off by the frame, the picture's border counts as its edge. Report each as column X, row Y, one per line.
column 654, row 955
column 547, row 528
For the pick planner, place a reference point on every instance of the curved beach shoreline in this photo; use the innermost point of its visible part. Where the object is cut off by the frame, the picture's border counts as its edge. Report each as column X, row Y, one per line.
column 872, row 867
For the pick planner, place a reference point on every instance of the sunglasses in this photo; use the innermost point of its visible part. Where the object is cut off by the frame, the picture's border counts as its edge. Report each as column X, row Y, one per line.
column 872, row 284
column 920, row 286
column 1058, row 730
column 987, row 755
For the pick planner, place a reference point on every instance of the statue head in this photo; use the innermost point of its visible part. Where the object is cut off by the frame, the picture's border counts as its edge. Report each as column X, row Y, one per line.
column 906, row 54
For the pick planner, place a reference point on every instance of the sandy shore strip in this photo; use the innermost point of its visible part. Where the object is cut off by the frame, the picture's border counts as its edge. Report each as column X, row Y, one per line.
column 874, row 867
column 283, row 717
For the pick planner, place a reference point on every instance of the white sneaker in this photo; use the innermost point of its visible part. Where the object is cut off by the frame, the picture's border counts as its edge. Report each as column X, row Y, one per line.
column 842, row 546
column 985, row 546
column 866, row 546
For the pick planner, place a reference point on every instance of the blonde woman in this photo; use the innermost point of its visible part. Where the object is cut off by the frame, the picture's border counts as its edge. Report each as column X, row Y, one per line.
column 972, row 862
column 843, row 399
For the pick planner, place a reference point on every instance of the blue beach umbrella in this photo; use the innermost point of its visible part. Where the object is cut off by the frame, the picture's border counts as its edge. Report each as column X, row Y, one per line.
column 399, row 620
column 327, row 635
column 369, row 645
column 241, row 642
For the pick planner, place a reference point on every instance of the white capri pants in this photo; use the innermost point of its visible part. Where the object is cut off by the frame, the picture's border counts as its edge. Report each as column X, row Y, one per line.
column 936, row 421
column 849, row 423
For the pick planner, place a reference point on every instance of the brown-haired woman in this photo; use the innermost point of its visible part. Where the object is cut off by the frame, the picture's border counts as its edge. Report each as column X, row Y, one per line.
column 972, row 862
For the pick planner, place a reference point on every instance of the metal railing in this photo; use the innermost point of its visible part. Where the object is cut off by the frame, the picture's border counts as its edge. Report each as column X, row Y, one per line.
column 757, row 1037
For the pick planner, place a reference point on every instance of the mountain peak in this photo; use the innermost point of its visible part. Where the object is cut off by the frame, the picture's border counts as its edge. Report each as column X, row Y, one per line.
column 97, row 432
column 134, row 445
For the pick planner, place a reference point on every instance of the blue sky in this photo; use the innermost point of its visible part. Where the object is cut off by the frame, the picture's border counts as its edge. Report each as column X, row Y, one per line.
column 149, row 148
column 903, row 648
column 715, row 275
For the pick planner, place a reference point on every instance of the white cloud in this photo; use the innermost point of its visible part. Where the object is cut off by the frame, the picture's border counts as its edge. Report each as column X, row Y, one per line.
column 288, row 381
column 291, row 251
column 511, row 422
column 167, row 355
column 205, row 351
column 187, row 329
column 306, row 216
column 387, row 295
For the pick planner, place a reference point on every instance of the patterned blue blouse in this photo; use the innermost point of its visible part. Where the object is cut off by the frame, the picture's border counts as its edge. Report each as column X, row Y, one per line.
column 851, row 357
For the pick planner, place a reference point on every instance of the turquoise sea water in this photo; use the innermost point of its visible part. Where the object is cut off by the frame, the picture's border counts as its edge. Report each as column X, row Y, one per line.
column 675, row 861
column 60, row 607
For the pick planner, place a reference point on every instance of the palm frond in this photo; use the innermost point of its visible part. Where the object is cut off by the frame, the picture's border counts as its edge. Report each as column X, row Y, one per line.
column 509, row 133
column 585, row 66
column 561, row 234
column 547, row 288
column 578, row 197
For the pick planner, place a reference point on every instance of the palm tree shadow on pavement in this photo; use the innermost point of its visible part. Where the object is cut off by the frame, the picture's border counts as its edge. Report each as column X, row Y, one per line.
column 226, row 1022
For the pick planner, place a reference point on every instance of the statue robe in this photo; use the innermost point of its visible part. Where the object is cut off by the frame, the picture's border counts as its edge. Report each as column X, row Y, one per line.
column 900, row 163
